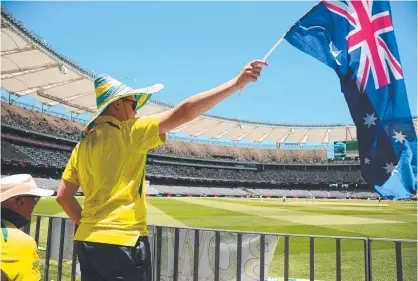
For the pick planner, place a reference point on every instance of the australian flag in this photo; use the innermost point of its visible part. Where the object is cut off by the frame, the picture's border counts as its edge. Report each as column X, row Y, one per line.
column 357, row 40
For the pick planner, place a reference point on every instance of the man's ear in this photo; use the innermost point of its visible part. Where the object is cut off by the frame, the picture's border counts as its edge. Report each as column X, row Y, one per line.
column 116, row 105
column 111, row 107
column 21, row 202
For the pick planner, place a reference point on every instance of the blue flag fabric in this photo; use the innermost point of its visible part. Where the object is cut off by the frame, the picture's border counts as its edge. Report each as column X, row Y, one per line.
column 357, row 40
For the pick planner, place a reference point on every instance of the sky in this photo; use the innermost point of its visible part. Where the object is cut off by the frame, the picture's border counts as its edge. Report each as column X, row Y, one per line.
column 191, row 47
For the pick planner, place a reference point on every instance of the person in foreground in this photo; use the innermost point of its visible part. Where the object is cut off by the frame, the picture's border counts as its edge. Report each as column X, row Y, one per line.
column 109, row 165
column 19, row 253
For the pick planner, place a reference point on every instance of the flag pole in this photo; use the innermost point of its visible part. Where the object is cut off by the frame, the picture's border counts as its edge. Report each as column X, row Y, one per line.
column 274, row 47
column 269, row 53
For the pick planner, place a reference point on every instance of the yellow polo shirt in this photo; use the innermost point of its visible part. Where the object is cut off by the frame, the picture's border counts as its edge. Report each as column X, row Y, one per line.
column 19, row 254
column 109, row 165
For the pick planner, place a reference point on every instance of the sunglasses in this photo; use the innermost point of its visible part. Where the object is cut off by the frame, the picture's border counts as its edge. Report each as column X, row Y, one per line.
column 134, row 103
column 36, row 198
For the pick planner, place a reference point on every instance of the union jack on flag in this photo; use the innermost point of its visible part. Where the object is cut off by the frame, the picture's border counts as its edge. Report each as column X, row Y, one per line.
column 375, row 55
column 357, row 40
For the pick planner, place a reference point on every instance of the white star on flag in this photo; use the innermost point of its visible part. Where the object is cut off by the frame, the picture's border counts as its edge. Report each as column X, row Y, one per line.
column 399, row 137
column 334, row 51
column 366, row 160
column 369, row 120
column 390, row 168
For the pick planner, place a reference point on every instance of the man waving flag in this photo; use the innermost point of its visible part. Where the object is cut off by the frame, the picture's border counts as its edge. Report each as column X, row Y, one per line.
column 357, row 40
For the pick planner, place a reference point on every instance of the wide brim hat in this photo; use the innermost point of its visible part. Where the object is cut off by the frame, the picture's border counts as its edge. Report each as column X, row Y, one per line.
column 21, row 185
column 108, row 90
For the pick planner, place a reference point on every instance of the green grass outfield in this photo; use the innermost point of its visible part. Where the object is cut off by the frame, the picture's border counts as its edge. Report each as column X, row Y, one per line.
column 320, row 217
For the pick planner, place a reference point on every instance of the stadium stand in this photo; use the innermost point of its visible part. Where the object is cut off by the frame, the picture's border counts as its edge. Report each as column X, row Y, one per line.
column 19, row 117
column 58, row 159
column 34, row 155
column 35, row 139
column 27, row 117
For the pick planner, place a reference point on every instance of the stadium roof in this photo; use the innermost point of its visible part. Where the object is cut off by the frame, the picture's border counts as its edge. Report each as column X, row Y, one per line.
column 30, row 67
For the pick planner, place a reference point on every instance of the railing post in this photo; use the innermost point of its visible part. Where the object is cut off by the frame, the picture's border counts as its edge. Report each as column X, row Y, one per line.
column 26, row 228
column 286, row 258
column 262, row 258
column 217, row 250
column 366, row 263
column 196, row 255
column 61, row 249
column 153, row 250
column 338, row 258
column 369, row 257
column 399, row 274
column 74, row 257
column 176, row 254
column 158, row 254
column 37, row 228
column 312, row 258
column 239, row 255
column 48, row 250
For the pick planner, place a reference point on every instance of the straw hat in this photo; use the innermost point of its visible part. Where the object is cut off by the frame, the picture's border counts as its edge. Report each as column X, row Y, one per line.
column 109, row 90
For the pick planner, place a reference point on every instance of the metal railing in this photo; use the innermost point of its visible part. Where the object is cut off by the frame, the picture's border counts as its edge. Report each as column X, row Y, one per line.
column 156, row 247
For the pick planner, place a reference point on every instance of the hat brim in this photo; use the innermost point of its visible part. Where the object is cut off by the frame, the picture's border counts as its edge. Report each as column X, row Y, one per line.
column 39, row 192
column 143, row 95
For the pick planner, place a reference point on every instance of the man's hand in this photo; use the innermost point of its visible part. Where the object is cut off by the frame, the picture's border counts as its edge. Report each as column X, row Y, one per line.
column 249, row 73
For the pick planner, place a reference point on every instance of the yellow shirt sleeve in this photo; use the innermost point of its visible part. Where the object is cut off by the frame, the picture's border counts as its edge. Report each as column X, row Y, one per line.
column 145, row 133
column 70, row 173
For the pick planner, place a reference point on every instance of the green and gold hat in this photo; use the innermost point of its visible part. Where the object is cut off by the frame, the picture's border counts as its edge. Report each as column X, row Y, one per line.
column 109, row 90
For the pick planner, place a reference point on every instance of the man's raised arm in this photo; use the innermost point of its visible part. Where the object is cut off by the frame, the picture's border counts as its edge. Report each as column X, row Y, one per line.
column 199, row 104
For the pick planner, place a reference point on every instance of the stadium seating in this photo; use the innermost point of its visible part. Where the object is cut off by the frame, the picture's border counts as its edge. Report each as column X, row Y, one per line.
column 31, row 120
column 277, row 175
column 34, row 155
column 29, row 117
column 10, row 153
column 16, row 149
column 58, row 158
